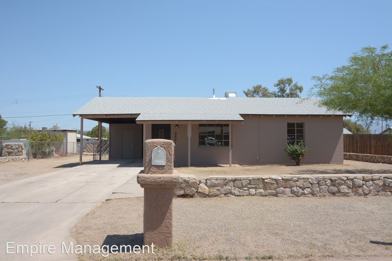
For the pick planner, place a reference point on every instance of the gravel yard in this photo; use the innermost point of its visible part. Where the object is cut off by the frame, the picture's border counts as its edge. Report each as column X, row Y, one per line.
column 348, row 167
column 254, row 228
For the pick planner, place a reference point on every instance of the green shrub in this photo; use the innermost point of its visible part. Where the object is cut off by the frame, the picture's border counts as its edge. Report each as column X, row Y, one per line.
column 42, row 143
column 296, row 151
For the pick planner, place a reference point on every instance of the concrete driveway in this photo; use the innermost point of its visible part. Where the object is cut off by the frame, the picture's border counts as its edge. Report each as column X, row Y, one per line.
column 41, row 210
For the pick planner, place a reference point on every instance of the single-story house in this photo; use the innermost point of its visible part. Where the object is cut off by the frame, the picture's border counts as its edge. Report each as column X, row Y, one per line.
column 209, row 131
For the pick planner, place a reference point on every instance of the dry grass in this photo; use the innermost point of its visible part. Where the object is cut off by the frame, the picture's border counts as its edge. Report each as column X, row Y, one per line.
column 254, row 228
column 349, row 167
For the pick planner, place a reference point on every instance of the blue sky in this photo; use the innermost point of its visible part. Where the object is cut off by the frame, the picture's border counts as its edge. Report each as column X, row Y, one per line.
column 54, row 53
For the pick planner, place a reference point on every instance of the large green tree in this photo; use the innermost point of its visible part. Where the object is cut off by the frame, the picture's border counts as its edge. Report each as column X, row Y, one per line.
column 362, row 87
column 286, row 88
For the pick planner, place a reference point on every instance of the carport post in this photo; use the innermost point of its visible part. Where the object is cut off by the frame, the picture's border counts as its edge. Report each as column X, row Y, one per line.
column 100, row 139
column 230, row 145
column 189, row 134
column 81, row 142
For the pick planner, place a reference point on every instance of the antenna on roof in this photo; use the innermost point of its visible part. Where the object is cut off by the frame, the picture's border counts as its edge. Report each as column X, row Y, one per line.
column 100, row 89
column 213, row 92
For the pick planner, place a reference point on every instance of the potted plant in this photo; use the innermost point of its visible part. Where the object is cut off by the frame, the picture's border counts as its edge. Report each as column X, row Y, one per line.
column 296, row 151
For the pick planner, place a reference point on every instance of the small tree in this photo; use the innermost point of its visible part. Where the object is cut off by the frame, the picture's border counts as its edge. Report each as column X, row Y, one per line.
column 296, row 152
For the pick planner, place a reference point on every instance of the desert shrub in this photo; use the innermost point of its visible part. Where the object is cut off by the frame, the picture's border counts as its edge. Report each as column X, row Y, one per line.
column 296, row 151
column 42, row 143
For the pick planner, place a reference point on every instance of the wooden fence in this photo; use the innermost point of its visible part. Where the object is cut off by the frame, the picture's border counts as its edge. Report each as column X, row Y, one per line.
column 368, row 144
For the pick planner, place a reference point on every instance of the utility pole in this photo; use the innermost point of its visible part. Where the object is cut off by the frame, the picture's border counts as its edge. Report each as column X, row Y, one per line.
column 100, row 89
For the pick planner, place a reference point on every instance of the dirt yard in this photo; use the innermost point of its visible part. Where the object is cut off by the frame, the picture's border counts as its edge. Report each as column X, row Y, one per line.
column 14, row 170
column 349, row 167
column 252, row 228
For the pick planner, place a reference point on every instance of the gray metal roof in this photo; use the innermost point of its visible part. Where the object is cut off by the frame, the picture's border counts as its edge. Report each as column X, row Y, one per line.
column 151, row 109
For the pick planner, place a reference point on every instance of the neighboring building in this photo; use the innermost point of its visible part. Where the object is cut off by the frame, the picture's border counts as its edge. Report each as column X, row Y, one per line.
column 346, row 131
column 220, row 130
column 69, row 144
column 85, row 137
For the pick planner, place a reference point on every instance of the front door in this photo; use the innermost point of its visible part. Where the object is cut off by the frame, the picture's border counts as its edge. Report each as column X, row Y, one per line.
column 161, row 131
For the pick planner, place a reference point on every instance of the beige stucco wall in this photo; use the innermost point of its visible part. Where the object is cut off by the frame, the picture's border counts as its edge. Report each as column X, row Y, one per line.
column 126, row 141
column 262, row 140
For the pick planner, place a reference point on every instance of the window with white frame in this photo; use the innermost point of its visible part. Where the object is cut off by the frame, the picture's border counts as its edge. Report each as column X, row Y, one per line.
column 214, row 135
column 295, row 132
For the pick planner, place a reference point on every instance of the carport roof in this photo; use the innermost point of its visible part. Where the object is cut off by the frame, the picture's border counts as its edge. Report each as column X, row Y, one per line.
column 202, row 109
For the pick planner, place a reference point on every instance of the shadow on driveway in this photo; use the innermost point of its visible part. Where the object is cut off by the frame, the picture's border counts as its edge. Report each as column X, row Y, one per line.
column 121, row 163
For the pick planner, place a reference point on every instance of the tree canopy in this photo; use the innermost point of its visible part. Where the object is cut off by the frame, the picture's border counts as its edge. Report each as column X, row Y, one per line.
column 258, row 91
column 3, row 123
column 354, row 127
column 362, row 87
column 286, row 88
column 94, row 132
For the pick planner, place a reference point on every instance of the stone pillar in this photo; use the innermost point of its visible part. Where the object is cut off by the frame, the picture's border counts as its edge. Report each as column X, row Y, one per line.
column 159, row 184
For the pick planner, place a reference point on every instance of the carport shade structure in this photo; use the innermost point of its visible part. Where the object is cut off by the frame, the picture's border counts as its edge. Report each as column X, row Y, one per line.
column 184, row 115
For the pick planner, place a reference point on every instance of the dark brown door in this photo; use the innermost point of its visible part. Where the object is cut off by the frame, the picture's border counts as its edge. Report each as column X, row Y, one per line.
column 161, row 131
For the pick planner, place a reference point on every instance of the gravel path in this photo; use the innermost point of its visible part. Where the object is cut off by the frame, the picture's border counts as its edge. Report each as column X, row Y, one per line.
column 261, row 228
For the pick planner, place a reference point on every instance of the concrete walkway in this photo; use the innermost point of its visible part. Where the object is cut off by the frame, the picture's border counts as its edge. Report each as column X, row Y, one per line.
column 41, row 210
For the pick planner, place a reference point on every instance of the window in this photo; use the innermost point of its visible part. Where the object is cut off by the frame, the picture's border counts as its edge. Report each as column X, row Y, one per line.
column 295, row 132
column 214, row 135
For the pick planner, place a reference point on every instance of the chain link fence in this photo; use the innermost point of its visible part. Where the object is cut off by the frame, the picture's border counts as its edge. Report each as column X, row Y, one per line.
column 25, row 149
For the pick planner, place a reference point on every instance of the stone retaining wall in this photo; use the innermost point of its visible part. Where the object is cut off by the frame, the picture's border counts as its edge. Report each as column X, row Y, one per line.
column 368, row 157
column 12, row 149
column 286, row 186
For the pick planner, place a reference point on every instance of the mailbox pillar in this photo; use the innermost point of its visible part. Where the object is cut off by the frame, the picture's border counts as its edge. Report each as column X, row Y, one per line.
column 159, row 183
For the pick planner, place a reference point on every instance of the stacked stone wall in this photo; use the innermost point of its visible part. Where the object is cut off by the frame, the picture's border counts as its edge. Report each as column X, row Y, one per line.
column 286, row 186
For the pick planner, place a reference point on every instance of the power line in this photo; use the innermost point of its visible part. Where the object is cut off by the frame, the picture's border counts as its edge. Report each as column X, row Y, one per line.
column 35, row 116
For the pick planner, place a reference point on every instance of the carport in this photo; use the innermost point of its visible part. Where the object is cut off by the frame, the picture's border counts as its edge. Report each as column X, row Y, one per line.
column 125, row 136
